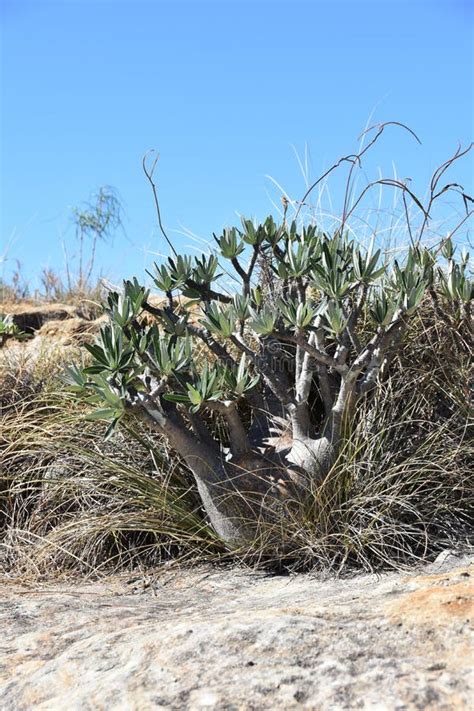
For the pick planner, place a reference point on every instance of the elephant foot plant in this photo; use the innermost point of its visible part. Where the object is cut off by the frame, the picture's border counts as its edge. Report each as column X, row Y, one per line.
column 216, row 371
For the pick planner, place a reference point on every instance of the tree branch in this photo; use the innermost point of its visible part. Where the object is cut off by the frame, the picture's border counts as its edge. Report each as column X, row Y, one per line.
column 322, row 371
column 354, row 159
column 272, row 379
column 149, row 175
column 238, row 440
column 240, row 271
column 200, row 456
column 207, row 293
column 372, row 355
column 436, row 177
column 253, row 261
column 313, row 351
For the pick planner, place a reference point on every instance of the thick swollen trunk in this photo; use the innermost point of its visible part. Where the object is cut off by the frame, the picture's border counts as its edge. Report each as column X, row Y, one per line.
column 315, row 456
column 245, row 495
column 242, row 497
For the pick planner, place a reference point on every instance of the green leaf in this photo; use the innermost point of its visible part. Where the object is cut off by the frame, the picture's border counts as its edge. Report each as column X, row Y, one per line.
column 230, row 246
column 263, row 322
column 176, row 397
column 111, row 429
column 335, row 319
column 194, row 395
column 219, row 319
column 448, row 249
column 105, row 413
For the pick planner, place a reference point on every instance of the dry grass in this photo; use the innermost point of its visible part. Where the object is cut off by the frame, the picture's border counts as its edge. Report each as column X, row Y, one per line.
column 401, row 490
column 71, row 500
column 16, row 297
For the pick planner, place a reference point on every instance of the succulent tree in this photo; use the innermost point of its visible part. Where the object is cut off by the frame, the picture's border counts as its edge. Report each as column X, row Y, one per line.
column 216, row 371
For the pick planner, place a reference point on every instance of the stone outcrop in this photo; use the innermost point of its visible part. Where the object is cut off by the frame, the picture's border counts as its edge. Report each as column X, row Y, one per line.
column 49, row 327
column 232, row 639
column 30, row 318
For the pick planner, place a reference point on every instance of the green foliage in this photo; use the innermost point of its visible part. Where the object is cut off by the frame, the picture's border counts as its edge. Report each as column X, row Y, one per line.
column 101, row 216
column 174, row 275
column 318, row 276
column 205, row 269
column 298, row 315
column 381, row 309
column 335, row 319
column 95, row 221
column 219, row 319
column 263, row 321
column 168, row 355
column 9, row 329
column 206, row 388
column 229, row 244
column 365, row 267
column 239, row 382
column 163, row 279
column 456, row 284
column 124, row 308
column 112, row 354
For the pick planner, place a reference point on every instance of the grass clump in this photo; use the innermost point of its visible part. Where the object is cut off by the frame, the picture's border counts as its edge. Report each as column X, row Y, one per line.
column 71, row 501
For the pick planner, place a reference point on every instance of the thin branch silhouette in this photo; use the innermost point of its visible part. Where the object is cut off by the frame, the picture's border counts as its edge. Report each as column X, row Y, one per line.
column 149, row 174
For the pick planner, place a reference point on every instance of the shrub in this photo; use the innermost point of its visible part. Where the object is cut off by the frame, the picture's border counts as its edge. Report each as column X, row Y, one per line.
column 400, row 490
column 9, row 329
column 309, row 351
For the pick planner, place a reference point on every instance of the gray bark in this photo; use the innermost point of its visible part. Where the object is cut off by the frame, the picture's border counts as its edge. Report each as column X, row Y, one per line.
column 243, row 496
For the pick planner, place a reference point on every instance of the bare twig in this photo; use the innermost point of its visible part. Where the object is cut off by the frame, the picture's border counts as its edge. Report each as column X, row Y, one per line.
column 149, row 174
column 354, row 159
column 436, row 177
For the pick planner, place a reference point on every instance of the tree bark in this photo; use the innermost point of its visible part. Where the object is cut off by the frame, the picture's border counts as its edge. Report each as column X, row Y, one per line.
column 242, row 497
column 247, row 492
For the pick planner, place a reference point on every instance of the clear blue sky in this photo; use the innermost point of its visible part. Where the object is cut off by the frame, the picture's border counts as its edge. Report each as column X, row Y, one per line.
column 222, row 90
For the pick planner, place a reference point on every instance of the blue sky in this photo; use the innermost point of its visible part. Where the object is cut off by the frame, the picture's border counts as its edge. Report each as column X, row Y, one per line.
column 222, row 90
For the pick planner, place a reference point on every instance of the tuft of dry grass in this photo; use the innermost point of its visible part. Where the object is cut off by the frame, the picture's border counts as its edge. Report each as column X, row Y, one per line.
column 69, row 500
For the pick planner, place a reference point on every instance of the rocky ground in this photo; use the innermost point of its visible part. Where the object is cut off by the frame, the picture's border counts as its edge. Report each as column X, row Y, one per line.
column 233, row 639
column 208, row 638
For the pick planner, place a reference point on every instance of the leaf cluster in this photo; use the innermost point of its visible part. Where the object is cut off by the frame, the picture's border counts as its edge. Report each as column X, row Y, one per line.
column 324, row 284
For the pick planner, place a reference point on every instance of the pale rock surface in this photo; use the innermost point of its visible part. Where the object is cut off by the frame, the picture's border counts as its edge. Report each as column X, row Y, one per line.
column 233, row 639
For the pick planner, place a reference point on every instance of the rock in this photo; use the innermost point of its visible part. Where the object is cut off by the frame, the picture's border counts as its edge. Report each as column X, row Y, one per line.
column 233, row 639
column 51, row 334
column 74, row 330
column 30, row 318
